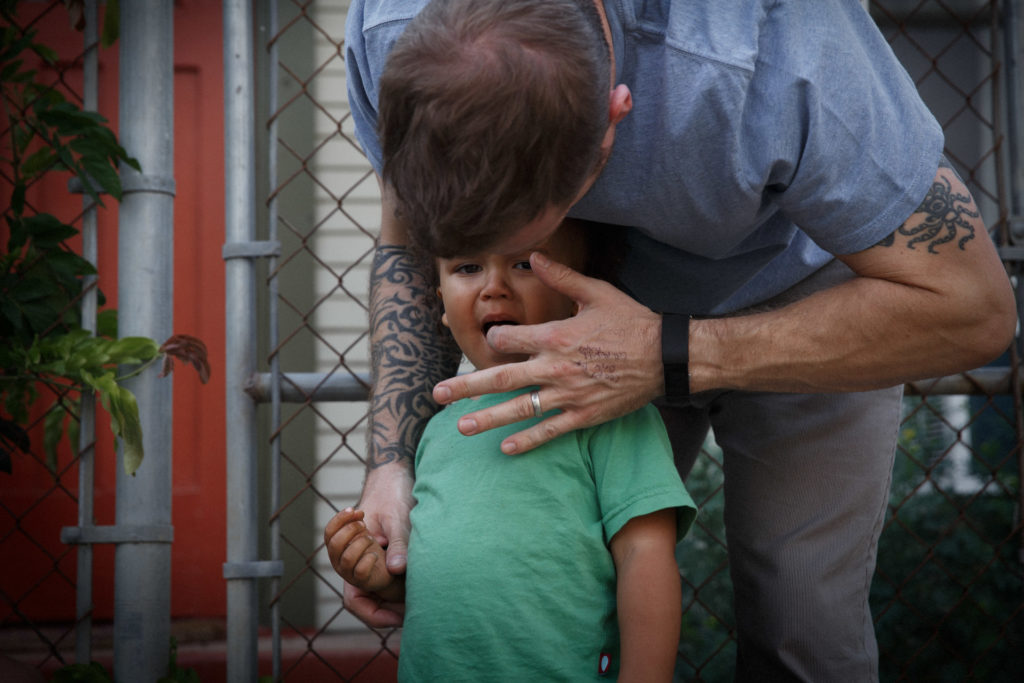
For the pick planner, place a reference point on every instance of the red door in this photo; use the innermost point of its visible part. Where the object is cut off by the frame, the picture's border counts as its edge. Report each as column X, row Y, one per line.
column 37, row 573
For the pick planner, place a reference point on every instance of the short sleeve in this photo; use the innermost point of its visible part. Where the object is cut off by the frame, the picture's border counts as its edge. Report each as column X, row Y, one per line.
column 834, row 131
column 371, row 29
column 634, row 471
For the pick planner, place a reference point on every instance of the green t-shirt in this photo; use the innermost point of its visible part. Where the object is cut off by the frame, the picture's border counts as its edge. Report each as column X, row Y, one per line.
column 510, row 577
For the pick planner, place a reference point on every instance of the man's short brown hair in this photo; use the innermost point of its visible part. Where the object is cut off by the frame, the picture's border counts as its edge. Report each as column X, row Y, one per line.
column 491, row 111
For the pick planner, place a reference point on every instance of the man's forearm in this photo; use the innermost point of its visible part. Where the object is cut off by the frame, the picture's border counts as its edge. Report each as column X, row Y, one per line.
column 931, row 299
column 409, row 354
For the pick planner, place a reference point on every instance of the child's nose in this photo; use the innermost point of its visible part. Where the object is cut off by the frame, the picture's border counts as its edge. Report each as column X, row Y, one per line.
column 495, row 286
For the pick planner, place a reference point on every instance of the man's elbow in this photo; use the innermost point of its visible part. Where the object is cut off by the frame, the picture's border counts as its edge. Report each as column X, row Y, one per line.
column 995, row 326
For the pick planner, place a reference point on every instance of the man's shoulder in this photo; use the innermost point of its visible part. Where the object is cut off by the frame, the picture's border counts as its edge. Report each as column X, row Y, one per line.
column 727, row 33
column 373, row 14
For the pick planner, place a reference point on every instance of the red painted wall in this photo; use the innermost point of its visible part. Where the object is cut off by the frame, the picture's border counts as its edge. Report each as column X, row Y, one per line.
column 37, row 569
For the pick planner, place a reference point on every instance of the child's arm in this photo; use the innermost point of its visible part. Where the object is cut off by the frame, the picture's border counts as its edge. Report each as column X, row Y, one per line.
column 361, row 559
column 649, row 596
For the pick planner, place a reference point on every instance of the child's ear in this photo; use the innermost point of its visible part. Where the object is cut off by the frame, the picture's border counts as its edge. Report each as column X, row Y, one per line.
column 575, row 308
column 444, row 313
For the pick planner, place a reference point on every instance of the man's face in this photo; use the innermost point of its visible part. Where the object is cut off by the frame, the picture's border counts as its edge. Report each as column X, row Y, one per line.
column 483, row 290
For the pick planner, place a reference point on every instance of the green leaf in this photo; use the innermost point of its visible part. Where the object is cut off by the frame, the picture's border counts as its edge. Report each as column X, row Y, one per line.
column 82, row 673
column 124, row 417
column 23, row 136
column 47, row 53
column 46, row 232
column 54, row 367
column 106, row 323
column 39, row 316
column 127, row 409
column 101, row 172
column 53, row 429
column 111, row 23
column 18, row 199
column 67, row 267
column 74, row 427
column 10, row 71
column 134, row 350
column 14, row 434
column 68, row 119
column 39, row 162
column 19, row 398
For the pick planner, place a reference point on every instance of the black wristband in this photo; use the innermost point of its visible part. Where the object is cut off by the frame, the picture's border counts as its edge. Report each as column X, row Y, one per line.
column 675, row 354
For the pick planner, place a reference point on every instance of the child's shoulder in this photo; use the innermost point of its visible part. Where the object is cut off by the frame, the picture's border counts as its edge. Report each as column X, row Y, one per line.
column 644, row 418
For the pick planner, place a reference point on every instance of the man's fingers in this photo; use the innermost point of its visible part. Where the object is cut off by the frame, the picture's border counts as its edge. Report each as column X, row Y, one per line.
column 371, row 610
column 562, row 278
column 540, row 433
column 514, row 410
column 493, row 380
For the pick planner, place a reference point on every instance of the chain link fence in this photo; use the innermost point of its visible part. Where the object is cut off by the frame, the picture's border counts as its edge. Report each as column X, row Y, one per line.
column 948, row 594
column 949, row 591
column 40, row 478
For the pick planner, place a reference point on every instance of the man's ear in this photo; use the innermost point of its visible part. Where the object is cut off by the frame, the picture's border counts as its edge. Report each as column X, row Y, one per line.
column 620, row 103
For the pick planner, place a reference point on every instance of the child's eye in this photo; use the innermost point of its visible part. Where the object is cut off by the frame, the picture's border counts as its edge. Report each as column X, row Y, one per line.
column 467, row 268
column 522, row 265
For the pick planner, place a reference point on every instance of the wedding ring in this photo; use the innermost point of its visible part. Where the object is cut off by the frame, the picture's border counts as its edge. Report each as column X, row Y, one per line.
column 535, row 400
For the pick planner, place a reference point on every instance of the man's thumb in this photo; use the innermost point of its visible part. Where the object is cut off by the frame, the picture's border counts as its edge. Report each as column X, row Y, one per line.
column 397, row 552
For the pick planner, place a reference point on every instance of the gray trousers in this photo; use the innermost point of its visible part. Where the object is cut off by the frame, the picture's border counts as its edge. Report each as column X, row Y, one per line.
column 806, row 484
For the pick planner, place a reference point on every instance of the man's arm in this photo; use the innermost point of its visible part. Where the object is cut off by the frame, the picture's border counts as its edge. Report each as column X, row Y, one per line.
column 930, row 300
column 408, row 356
column 648, row 596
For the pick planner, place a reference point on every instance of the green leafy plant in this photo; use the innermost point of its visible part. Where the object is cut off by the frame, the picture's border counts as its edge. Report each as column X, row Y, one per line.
column 41, row 278
column 94, row 672
column 176, row 674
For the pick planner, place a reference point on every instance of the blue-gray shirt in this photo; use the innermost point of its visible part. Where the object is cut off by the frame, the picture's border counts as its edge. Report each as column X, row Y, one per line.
column 765, row 137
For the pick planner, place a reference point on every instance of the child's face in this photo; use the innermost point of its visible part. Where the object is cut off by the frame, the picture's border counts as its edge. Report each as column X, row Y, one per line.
column 488, row 289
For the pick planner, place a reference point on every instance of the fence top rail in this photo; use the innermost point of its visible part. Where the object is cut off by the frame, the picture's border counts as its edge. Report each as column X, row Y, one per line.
column 303, row 387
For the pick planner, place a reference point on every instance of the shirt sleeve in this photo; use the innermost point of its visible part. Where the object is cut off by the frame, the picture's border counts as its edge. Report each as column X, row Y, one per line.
column 371, row 29
column 835, row 132
column 634, row 471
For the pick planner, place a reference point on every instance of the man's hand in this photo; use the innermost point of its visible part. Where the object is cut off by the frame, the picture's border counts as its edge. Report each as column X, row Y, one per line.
column 386, row 501
column 601, row 364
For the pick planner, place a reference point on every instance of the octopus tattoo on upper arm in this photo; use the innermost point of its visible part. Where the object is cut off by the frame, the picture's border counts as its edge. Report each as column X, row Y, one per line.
column 946, row 217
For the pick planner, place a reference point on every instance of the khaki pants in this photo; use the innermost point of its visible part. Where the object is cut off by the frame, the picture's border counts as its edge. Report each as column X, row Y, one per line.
column 806, row 485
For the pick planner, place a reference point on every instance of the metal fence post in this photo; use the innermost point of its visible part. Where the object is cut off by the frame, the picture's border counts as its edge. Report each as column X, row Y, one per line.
column 242, row 566
column 87, row 412
column 142, row 593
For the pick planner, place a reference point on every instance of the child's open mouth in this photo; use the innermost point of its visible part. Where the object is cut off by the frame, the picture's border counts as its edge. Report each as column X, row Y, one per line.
column 494, row 323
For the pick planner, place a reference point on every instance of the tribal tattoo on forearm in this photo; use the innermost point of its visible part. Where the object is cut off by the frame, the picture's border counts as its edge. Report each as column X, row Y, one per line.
column 409, row 353
column 947, row 215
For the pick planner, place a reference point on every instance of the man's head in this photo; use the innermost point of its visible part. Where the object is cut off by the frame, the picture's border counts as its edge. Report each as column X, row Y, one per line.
column 491, row 113
column 488, row 288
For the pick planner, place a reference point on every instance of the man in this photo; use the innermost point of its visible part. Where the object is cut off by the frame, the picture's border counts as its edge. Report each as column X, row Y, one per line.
column 796, row 249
